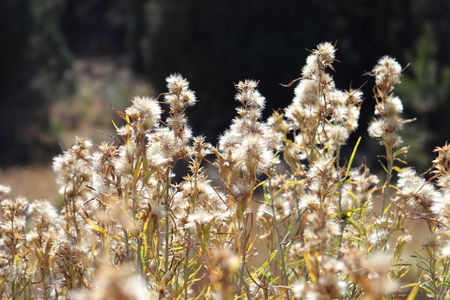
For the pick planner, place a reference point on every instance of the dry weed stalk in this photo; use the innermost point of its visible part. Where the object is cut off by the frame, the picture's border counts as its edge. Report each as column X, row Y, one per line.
column 129, row 230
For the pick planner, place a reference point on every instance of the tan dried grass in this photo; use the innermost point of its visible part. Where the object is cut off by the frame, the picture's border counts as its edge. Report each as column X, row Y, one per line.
column 32, row 182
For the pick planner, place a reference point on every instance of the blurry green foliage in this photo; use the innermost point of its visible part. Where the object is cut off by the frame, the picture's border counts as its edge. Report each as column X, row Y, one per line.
column 425, row 92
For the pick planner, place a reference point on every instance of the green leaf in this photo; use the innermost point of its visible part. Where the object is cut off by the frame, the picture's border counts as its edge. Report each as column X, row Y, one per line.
column 352, row 157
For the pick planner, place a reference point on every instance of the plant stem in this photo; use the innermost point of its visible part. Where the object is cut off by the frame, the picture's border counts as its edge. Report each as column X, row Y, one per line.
column 243, row 240
column 390, row 161
column 185, row 267
column 167, row 227
column 282, row 248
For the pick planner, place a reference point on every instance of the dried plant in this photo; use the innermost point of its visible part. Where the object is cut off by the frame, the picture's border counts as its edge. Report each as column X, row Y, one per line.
column 290, row 218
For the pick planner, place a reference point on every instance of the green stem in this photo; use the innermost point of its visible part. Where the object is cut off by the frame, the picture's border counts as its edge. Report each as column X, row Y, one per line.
column 390, row 161
column 443, row 288
column 282, row 248
column 127, row 245
column 433, row 272
column 185, row 268
column 139, row 256
column 243, row 240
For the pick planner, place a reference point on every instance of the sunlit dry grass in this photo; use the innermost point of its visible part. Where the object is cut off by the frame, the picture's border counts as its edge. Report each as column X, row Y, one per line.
column 33, row 182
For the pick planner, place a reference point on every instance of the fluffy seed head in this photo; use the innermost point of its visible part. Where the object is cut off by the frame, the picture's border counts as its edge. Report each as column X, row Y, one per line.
column 145, row 112
column 387, row 73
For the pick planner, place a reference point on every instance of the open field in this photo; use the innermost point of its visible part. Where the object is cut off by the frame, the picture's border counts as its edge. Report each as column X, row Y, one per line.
column 30, row 182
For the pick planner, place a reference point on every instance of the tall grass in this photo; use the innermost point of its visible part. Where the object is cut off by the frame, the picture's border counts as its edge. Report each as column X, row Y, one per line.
column 291, row 218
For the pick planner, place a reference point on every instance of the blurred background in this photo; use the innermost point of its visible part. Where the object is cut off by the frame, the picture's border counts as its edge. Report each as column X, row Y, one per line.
column 64, row 62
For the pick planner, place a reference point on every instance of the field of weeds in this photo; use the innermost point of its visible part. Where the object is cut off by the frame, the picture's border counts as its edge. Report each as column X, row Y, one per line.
column 141, row 216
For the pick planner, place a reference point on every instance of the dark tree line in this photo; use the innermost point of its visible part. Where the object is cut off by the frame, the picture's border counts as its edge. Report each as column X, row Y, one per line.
column 35, row 68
